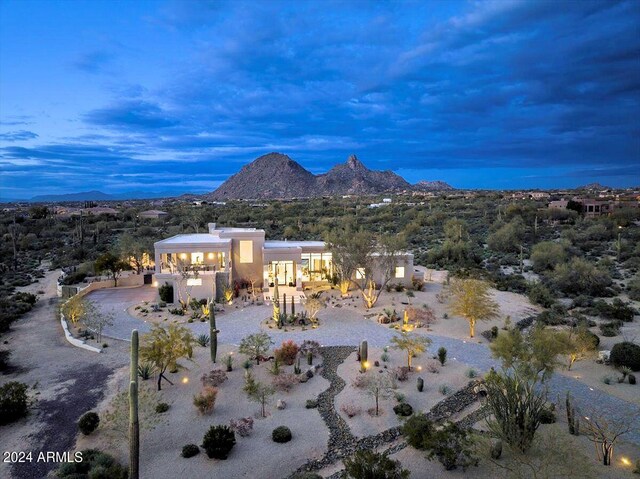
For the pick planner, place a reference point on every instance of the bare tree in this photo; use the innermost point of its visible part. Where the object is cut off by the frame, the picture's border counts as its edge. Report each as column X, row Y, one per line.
column 604, row 432
column 95, row 320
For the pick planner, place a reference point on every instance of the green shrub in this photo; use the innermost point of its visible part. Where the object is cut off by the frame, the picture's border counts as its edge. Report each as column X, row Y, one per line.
column 281, row 434
column 415, row 429
column 88, row 422
column 14, row 402
column 538, row 293
column 367, row 464
column 610, row 329
column 4, row 360
column 94, row 465
column 547, row 416
column 203, row 340
column 403, row 409
column 218, row 442
column 190, row 450
column 626, row 354
column 311, row 404
column 616, row 310
column 166, row 293
column 162, row 407
column 442, row 355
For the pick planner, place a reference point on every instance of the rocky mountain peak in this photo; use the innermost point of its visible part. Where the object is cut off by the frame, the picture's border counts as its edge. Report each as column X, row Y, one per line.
column 354, row 163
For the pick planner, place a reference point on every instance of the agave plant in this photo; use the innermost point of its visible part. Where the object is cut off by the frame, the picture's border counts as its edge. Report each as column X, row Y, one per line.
column 203, row 340
column 145, row 371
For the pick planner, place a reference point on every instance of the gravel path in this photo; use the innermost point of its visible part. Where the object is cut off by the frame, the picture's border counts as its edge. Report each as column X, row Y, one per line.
column 346, row 327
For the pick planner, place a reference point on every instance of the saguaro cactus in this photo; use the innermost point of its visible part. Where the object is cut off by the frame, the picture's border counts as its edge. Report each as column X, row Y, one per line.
column 276, row 305
column 293, row 306
column 213, row 334
column 420, row 384
column 309, row 358
column 134, row 425
column 284, row 304
column 572, row 419
column 364, row 354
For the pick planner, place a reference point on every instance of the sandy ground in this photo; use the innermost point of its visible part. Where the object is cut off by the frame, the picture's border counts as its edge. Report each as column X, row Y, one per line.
column 65, row 381
column 451, row 374
column 161, row 447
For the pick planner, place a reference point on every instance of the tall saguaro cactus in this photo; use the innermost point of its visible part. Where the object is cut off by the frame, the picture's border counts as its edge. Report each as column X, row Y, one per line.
column 213, row 334
column 364, row 354
column 276, row 304
column 134, row 425
column 284, row 304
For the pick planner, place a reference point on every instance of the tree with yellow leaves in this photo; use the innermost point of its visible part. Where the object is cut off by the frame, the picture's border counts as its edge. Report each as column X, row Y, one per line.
column 470, row 299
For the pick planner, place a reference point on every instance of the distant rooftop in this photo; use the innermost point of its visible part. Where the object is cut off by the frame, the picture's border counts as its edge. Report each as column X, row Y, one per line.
column 195, row 238
column 293, row 244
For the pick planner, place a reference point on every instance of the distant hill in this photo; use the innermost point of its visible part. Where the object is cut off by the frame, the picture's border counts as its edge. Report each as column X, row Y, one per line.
column 436, row 185
column 275, row 175
column 593, row 186
column 83, row 196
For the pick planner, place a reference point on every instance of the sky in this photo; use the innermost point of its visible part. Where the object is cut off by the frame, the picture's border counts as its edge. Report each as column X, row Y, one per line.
column 173, row 96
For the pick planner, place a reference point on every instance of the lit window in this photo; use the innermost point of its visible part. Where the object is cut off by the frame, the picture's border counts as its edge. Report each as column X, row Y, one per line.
column 359, row 273
column 197, row 258
column 194, row 282
column 246, row 251
column 399, row 271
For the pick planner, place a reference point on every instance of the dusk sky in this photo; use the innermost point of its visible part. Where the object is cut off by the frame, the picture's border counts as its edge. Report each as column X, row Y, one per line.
column 174, row 96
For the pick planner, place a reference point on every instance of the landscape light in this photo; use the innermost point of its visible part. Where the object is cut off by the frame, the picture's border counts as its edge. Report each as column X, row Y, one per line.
column 155, row 284
column 185, row 380
column 366, row 365
column 625, row 461
column 419, row 368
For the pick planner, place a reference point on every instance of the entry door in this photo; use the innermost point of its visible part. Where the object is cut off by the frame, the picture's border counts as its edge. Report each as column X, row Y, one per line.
column 283, row 272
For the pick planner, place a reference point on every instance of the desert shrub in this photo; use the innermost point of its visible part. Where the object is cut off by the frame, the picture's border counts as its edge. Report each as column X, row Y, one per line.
column 310, row 346
column 95, row 465
column 618, row 309
column 580, row 276
column 74, row 278
column 243, row 426
column 546, row 255
column 433, row 366
column 14, row 402
column 442, row 355
column 287, row 352
column 281, row 434
column 471, row 373
column 4, row 360
column 214, row 378
column 401, row 373
column 311, row 404
column 538, row 293
column 403, row 409
column 88, row 422
column 190, row 450
column 203, row 340
column 307, row 475
column 177, row 311
column 205, row 401
column 547, row 416
column 444, row 389
column 610, row 329
column 360, row 381
column 350, row 409
column 626, row 354
column 218, row 442
column 415, row 429
column 145, row 370
column 367, row 464
column 162, row 407
column 166, row 293
column 284, row 382
column 555, row 316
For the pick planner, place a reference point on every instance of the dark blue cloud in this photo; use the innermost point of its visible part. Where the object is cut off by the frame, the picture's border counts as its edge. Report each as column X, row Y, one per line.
column 18, row 135
column 487, row 87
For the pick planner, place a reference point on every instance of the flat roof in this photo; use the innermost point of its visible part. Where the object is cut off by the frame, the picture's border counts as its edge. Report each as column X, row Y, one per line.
column 195, row 238
column 293, row 244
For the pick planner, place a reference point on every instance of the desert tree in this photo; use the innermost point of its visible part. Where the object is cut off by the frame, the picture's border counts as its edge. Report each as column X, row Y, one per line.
column 261, row 393
column 76, row 308
column 470, row 298
column 112, row 265
column 342, row 260
column 579, row 344
column 134, row 248
column 164, row 347
column 313, row 305
column 379, row 386
column 95, row 320
column 413, row 344
column 255, row 346
column 605, row 432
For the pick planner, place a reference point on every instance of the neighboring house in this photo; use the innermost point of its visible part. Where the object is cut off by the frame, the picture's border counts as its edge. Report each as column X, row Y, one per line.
column 202, row 264
column 593, row 208
column 539, row 195
column 153, row 214
column 558, row 204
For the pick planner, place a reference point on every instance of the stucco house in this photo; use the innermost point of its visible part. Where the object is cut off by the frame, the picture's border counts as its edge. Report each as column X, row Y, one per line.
column 203, row 264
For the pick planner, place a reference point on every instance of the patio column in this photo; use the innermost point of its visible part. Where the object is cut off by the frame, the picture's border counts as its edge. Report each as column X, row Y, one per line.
column 158, row 259
column 265, row 277
column 298, row 276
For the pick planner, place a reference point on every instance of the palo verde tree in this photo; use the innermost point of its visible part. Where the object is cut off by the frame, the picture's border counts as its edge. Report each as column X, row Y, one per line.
column 413, row 344
column 133, row 249
column 76, row 308
column 470, row 299
column 112, row 265
column 255, row 346
column 164, row 347
column 362, row 255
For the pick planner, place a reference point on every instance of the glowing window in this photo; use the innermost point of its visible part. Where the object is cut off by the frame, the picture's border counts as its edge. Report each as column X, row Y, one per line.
column 246, row 251
column 194, row 282
column 197, row 258
column 399, row 271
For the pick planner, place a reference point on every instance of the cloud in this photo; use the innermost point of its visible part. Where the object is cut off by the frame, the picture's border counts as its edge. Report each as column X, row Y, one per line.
column 19, row 135
column 132, row 115
column 96, row 61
